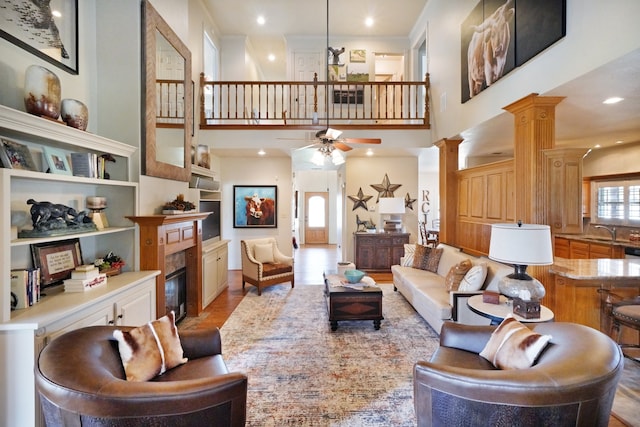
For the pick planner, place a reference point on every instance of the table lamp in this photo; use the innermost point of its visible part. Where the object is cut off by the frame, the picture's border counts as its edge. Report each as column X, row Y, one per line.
column 521, row 245
column 394, row 207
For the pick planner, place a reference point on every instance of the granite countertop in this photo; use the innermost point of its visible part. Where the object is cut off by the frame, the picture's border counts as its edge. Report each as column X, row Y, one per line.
column 589, row 269
column 603, row 240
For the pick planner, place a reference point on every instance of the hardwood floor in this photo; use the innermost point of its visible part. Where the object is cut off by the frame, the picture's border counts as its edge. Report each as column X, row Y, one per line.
column 310, row 262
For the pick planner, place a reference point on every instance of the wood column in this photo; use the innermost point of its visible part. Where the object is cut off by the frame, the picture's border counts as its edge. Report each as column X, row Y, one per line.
column 534, row 131
column 448, row 188
column 535, row 123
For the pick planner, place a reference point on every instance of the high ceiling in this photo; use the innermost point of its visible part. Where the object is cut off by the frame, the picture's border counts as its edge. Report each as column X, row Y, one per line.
column 581, row 119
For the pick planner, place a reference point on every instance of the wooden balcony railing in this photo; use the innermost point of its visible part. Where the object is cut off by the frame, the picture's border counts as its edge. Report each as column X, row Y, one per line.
column 303, row 105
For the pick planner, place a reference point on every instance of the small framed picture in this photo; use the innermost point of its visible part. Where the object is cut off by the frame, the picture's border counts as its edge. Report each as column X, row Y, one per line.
column 57, row 161
column 358, row 55
column 56, row 260
column 16, row 156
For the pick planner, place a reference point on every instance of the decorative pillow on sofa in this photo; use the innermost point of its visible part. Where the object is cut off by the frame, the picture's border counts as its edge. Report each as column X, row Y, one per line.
column 474, row 279
column 514, row 346
column 426, row 258
column 456, row 274
column 150, row 350
column 409, row 252
column 264, row 253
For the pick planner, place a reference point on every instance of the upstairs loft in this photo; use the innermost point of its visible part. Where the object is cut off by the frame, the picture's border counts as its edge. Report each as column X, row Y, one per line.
column 298, row 105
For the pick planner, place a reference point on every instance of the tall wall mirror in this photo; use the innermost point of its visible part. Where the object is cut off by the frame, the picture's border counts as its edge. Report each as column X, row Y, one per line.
column 168, row 101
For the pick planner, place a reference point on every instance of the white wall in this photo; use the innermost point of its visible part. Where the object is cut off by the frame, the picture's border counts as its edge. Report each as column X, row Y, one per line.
column 597, row 33
column 361, row 173
column 619, row 159
column 258, row 171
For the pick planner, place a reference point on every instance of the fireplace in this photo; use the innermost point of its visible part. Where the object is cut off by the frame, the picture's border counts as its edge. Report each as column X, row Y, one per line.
column 175, row 292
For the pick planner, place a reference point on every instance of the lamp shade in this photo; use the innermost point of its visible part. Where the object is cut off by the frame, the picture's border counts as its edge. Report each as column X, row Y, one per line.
column 391, row 205
column 521, row 244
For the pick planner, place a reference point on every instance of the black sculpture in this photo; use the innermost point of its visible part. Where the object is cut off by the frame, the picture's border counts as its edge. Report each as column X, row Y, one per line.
column 49, row 216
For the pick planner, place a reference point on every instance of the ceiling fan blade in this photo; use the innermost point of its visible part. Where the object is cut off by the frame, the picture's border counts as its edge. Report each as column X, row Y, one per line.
column 332, row 133
column 341, row 146
column 362, row 140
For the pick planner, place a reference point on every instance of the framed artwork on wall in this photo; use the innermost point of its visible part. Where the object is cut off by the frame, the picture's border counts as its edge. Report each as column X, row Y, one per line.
column 255, row 206
column 14, row 155
column 56, row 260
column 47, row 29
column 57, row 161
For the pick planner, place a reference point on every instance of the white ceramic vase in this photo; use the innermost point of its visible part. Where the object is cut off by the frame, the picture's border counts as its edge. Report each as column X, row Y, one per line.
column 42, row 92
column 75, row 114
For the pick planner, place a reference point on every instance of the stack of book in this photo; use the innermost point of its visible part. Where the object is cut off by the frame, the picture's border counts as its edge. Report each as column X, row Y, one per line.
column 85, row 278
column 88, row 165
column 25, row 288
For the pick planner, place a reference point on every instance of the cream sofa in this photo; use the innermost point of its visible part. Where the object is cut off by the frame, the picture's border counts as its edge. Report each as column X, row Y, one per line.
column 427, row 293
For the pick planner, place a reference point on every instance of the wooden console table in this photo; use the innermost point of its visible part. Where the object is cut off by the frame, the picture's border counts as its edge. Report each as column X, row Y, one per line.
column 577, row 282
column 162, row 235
column 379, row 251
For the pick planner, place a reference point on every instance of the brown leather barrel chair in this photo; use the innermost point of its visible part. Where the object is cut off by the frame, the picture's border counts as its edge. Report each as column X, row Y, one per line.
column 572, row 383
column 81, row 381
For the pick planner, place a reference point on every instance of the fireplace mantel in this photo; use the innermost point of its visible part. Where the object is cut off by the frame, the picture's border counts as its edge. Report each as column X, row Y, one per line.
column 162, row 235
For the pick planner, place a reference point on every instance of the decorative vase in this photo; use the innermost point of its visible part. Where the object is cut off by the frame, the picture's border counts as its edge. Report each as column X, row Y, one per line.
column 42, row 92
column 75, row 114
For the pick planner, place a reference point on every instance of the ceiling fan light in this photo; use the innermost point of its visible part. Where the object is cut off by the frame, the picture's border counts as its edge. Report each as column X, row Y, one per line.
column 337, row 158
column 318, row 158
column 332, row 133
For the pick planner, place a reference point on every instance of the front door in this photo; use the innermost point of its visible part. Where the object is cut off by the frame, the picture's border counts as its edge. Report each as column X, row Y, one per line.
column 316, row 220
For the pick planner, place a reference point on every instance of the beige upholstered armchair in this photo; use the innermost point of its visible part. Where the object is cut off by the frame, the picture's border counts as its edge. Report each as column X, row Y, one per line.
column 263, row 264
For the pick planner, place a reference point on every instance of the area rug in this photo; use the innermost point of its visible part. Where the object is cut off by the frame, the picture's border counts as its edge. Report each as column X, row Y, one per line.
column 627, row 400
column 303, row 374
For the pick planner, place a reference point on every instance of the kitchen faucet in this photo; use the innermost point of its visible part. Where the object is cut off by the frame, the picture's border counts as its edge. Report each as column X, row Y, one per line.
column 611, row 231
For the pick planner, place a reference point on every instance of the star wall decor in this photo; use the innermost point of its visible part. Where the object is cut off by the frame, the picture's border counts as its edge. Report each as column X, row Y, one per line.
column 408, row 201
column 360, row 200
column 385, row 189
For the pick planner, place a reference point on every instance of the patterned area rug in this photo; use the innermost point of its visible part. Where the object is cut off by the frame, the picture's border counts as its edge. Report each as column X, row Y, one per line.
column 625, row 404
column 302, row 374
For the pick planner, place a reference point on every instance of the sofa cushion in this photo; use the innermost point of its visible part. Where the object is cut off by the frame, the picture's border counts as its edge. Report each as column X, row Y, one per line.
column 474, row 279
column 275, row 269
column 514, row 346
column 151, row 349
column 456, row 274
column 426, row 258
column 409, row 252
column 263, row 252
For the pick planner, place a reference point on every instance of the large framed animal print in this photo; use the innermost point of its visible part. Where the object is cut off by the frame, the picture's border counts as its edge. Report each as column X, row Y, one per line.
column 255, row 206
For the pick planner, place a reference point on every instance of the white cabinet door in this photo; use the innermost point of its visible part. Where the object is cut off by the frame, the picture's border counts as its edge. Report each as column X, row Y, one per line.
column 209, row 277
column 223, row 269
column 138, row 308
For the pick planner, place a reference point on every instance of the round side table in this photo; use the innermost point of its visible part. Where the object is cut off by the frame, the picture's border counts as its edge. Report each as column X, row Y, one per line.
column 497, row 312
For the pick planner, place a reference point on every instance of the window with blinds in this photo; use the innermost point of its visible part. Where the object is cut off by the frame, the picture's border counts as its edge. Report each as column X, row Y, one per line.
column 617, row 202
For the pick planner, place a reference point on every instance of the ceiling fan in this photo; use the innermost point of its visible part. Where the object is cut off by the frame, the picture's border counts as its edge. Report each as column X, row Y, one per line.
column 331, row 137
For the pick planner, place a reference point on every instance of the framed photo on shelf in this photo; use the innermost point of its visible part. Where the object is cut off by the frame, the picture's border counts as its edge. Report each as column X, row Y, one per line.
column 14, row 155
column 255, row 206
column 56, row 260
column 46, row 29
column 57, row 161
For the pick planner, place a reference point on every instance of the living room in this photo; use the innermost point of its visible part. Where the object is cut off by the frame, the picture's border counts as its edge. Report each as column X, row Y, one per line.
column 110, row 47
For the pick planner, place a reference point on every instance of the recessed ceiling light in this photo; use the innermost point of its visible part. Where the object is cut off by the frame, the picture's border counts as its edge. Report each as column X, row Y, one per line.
column 368, row 22
column 272, row 57
column 369, row 152
column 261, row 20
column 262, row 152
column 612, row 100
column 619, row 142
column 596, row 146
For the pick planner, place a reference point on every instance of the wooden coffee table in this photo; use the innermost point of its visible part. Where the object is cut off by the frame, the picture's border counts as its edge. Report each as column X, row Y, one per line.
column 345, row 303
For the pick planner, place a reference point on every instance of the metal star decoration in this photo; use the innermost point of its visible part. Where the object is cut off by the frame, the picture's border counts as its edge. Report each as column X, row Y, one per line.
column 408, row 201
column 385, row 189
column 360, row 201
